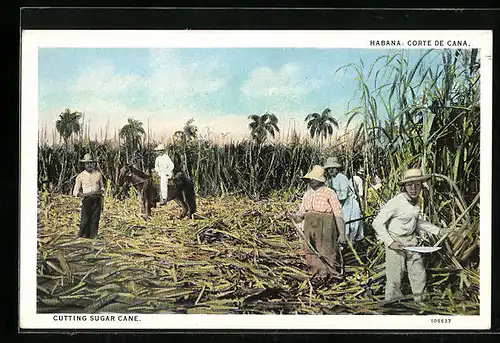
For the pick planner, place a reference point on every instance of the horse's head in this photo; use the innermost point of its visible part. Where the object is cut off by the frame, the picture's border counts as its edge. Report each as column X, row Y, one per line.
column 124, row 174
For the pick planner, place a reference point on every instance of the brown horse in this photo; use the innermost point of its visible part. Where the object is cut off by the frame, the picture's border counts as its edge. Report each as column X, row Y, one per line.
column 180, row 189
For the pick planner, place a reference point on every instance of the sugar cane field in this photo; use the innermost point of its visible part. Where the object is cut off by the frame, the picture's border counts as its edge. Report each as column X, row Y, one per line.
column 240, row 254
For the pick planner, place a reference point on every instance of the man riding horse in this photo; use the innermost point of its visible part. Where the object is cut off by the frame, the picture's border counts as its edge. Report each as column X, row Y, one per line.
column 179, row 187
column 164, row 167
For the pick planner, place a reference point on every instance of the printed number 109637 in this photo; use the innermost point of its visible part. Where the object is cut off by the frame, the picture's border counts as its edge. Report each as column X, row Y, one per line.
column 440, row 320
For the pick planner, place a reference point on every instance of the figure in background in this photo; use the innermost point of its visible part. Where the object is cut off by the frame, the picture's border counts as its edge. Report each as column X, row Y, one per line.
column 373, row 195
column 345, row 193
column 164, row 167
column 90, row 187
column 359, row 185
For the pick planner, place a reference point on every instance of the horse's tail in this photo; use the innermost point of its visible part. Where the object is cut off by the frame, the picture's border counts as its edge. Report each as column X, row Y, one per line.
column 190, row 194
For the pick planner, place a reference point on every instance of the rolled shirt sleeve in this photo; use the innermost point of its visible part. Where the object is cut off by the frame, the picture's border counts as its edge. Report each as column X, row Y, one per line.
column 78, row 186
column 379, row 223
column 426, row 226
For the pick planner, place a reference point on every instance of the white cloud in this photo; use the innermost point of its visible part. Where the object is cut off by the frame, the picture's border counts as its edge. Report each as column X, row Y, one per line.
column 100, row 90
column 173, row 79
column 284, row 82
column 169, row 83
column 102, row 79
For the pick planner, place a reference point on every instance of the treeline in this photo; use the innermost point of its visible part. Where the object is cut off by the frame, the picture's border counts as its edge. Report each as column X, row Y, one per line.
column 245, row 168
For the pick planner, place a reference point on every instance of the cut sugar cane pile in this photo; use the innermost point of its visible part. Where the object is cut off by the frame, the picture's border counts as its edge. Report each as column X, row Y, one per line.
column 243, row 257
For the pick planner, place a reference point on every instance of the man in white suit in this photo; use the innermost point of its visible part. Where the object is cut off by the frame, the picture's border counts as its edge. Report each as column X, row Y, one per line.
column 164, row 167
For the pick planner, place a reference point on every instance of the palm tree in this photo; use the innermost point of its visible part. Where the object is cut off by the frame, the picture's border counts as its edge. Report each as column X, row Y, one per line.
column 262, row 125
column 68, row 124
column 190, row 130
column 132, row 132
column 321, row 124
column 180, row 136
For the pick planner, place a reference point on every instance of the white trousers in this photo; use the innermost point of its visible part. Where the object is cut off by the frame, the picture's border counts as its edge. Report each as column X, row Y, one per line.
column 396, row 262
column 164, row 187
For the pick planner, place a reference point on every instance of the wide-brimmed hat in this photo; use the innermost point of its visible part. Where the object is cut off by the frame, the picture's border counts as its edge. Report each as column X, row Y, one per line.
column 317, row 173
column 332, row 162
column 87, row 158
column 160, row 147
column 413, row 174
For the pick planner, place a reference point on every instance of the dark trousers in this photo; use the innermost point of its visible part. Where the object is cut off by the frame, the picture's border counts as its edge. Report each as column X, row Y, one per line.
column 90, row 216
column 320, row 229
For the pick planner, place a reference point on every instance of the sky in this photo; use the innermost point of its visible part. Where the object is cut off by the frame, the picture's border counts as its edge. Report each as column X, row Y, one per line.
column 217, row 87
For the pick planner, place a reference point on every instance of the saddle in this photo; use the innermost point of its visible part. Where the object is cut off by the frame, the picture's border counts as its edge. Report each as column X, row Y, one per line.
column 155, row 178
column 174, row 181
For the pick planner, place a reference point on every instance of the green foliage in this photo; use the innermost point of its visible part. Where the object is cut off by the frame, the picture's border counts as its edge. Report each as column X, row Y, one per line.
column 263, row 125
column 425, row 115
column 244, row 168
column 321, row 124
column 132, row 132
column 68, row 124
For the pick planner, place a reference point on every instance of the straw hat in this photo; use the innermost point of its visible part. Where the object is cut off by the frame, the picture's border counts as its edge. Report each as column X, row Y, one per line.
column 332, row 162
column 413, row 174
column 160, row 147
column 317, row 173
column 87, row 158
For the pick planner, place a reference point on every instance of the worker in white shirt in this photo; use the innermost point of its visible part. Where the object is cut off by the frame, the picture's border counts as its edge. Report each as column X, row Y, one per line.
column 164, row 167
column 89, row 186
column 359, row 185
column 397, row 226
column 351, row 211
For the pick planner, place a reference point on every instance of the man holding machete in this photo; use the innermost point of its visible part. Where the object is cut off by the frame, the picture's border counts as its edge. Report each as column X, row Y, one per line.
column 397, row 225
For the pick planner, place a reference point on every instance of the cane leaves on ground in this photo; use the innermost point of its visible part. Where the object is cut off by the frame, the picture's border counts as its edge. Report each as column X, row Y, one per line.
column 244, row 257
